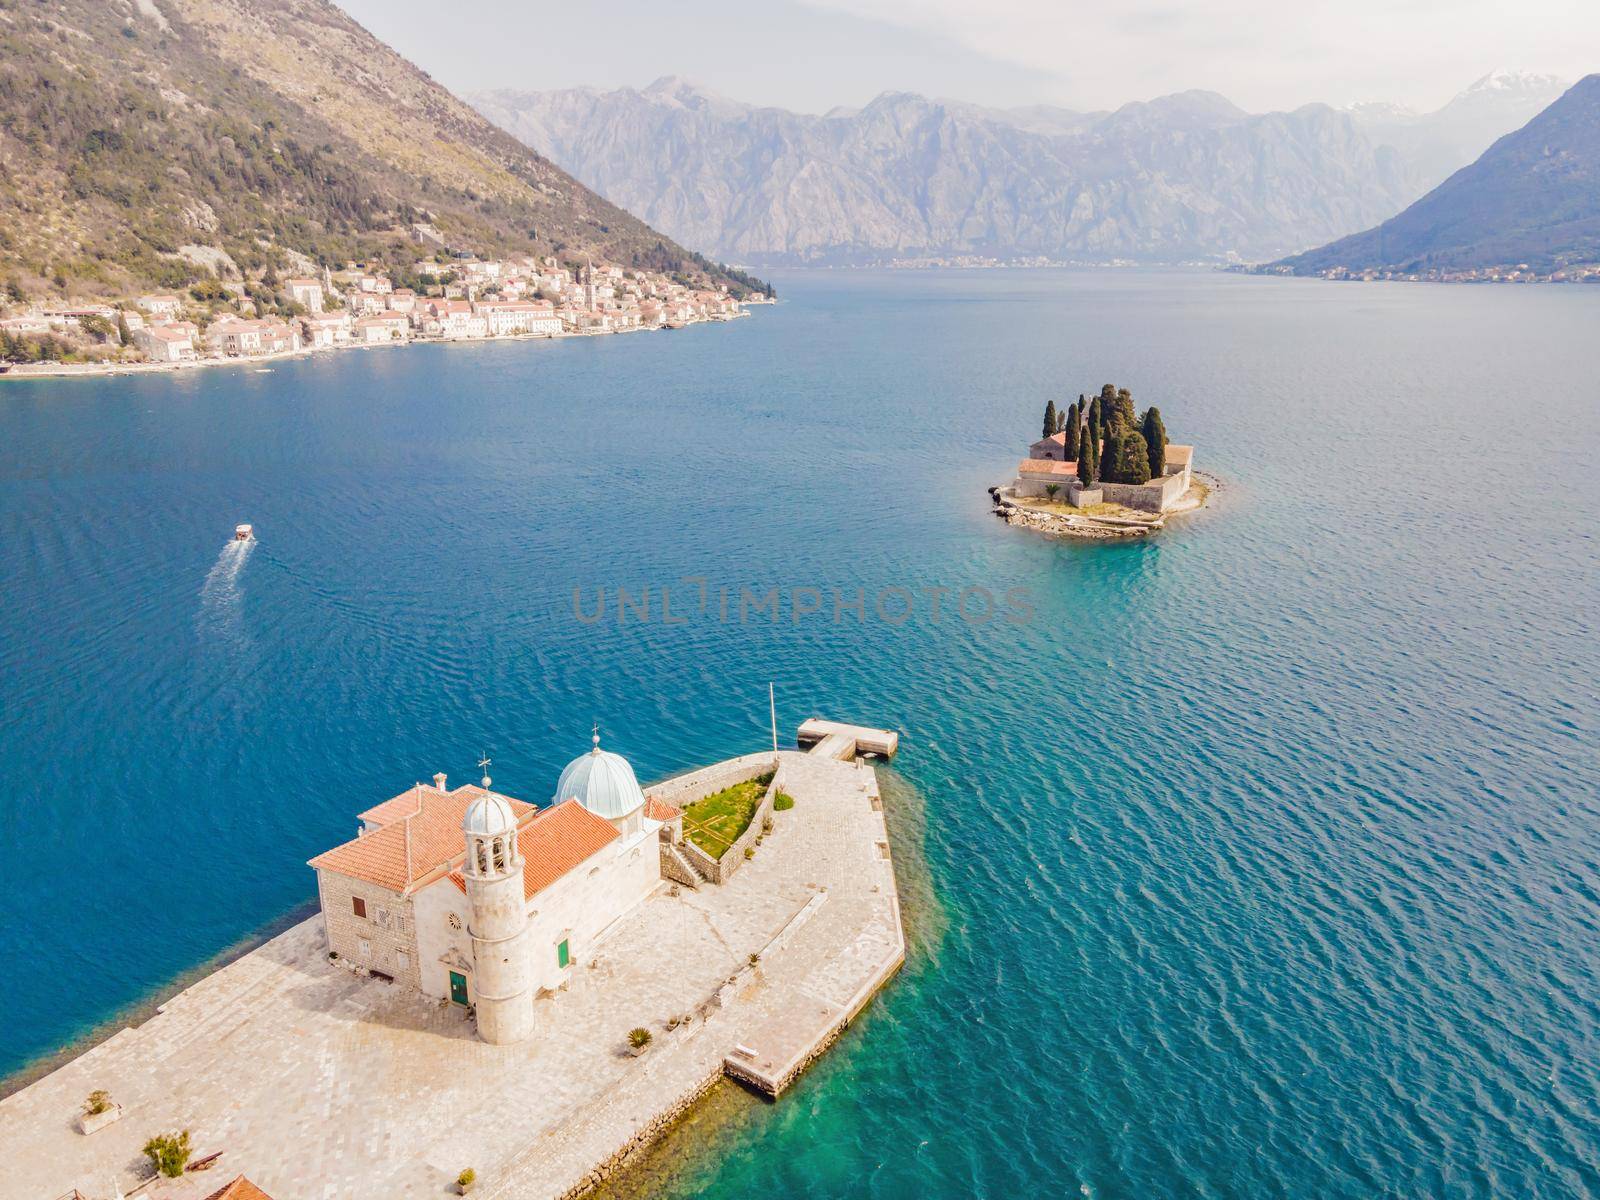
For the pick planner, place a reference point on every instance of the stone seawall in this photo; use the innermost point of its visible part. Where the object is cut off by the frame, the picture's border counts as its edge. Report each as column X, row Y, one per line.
column 646, row 1136
column 770, row 965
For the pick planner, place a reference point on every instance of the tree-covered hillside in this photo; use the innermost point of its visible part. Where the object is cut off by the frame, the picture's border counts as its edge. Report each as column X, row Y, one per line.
column 151, row 142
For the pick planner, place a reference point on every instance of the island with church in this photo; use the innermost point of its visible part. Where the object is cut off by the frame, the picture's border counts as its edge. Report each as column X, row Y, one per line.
column 1101, row 470
column 500, row 997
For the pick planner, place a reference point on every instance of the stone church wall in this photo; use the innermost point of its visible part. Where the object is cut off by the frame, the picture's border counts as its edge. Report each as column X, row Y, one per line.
column 385, row 940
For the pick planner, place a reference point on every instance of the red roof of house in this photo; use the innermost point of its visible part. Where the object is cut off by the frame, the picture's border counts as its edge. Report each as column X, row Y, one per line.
column 240, row 1189
column 1046, row 466
column 553, row 841
column 419, row 832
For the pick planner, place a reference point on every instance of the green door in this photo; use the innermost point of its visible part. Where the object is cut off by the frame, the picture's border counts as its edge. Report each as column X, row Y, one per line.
column 562, row 957
column 458, row 988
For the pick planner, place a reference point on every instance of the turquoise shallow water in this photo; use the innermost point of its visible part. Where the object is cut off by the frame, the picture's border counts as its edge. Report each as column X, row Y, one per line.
column 1268, row 851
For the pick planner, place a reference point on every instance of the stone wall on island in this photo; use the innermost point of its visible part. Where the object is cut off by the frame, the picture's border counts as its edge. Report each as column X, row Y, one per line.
column 1156, row 496
column 684, row 790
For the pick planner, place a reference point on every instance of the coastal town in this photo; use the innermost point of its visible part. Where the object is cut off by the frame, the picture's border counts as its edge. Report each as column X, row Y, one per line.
column 445, row 299
column 498, row 997
column 1582, row 272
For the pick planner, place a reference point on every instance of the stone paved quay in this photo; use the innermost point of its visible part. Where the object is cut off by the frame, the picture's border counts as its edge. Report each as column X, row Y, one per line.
column 320, row 1084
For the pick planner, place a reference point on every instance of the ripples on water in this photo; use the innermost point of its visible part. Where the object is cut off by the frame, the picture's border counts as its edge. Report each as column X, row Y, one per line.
column 1267, row 856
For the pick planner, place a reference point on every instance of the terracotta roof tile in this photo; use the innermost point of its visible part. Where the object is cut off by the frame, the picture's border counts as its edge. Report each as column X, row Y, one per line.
column 660, row 810
column 240, row 1189
column 1046, row 466
column 420, row 832
column 553, row 841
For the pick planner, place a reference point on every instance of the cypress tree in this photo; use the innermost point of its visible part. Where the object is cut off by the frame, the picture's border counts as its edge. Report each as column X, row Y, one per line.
column 1108, row 455
column 1049, row 418
column 1155, row 437
column 1086, row 460
column 1094, row 411
column 1133, row 459
column 123, row 334
column 1071, row 430
column 1125, row 408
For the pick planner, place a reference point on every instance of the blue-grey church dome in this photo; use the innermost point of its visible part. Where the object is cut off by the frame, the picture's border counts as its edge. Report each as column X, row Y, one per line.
column 602, row 782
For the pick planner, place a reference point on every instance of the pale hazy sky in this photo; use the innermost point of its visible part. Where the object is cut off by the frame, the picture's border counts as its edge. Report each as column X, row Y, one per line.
column 814, row 54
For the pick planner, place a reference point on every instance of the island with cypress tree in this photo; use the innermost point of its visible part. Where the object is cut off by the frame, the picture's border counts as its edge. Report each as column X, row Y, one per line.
column 1101, row 469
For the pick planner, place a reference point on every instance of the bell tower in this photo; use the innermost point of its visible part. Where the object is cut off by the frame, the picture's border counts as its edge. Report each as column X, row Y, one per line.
column 498, row 921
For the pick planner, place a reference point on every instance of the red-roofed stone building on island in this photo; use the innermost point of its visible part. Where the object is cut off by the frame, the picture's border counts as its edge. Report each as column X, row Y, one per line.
column 474, row 897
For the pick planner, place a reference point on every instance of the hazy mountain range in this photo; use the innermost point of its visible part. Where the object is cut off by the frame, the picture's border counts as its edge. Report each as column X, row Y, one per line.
column 1533, row 198
column 145, row 142
column 1188, row 176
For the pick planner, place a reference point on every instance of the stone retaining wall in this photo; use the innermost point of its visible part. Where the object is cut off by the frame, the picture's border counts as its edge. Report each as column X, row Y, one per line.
column 683, row 790
column 644, row 1136
column 733, row 858
column 710, row 868
column 674, row 867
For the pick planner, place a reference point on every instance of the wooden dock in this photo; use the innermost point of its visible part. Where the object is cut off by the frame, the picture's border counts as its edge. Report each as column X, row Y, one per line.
column 835, row 739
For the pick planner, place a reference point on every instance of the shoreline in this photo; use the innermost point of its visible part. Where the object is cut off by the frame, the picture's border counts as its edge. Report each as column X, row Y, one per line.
column 1087, row 525
column 826, row 879
column 136, row 1012
column 683, row 1154
column 102, row 370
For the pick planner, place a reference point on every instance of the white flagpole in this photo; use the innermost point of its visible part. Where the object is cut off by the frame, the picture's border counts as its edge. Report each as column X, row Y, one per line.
column 773, row 704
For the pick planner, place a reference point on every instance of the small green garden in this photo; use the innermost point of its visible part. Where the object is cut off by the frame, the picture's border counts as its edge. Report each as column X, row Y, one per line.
column 715, row 822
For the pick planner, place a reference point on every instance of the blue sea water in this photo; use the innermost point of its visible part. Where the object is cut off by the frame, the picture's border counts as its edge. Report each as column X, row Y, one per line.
column 1266, row 852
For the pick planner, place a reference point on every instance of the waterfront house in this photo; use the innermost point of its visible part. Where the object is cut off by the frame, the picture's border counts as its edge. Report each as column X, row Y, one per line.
column 384, row 327
column 166, row 343
column 327, row 329
column 518, row 316
column 457, row 320
column 485, row 901
column 279, row 337
column 234, row 336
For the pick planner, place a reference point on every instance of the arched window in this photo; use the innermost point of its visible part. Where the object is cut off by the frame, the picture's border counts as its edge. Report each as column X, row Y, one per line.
column 499, row 855
column 481, row 852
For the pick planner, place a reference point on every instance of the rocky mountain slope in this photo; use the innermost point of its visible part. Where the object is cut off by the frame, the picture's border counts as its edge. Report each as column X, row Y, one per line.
column 1532, row 198
column 1184, row 177
column 150, row 142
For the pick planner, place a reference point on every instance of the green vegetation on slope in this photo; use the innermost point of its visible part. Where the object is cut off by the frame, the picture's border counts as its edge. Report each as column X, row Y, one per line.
column 156, row 144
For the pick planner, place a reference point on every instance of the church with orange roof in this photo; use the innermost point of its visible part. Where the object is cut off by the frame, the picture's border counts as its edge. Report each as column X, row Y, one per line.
column 486, row 901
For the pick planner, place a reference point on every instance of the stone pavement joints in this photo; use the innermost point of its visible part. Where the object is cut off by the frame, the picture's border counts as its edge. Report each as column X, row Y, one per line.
column 321, row 1084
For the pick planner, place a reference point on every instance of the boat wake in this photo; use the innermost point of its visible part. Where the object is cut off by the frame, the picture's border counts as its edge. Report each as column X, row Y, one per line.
column 221, row 593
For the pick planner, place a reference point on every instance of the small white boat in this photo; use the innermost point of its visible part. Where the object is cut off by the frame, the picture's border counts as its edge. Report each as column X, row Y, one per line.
column 244, row 533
